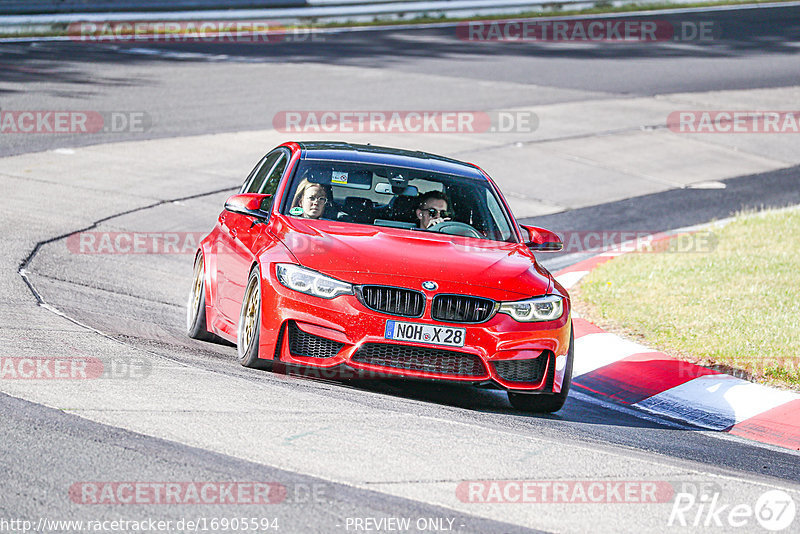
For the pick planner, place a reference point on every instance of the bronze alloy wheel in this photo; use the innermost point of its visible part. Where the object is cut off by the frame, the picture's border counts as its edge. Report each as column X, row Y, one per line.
column 196, row 295
column 196, row 305
column 247, row 334
column 248, row 321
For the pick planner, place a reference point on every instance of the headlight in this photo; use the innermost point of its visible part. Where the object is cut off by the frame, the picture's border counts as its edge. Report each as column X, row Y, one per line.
column 546, row 308
column 311, row 282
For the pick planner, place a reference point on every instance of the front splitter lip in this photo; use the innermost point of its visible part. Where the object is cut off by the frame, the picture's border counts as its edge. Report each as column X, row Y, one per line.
column 345, row 371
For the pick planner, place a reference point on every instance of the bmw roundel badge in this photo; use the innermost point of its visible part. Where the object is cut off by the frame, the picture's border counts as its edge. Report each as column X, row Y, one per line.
column 430, row 285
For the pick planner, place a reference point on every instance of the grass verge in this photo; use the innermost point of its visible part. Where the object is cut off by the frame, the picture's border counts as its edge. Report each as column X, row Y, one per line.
column 555, row 9
column 736, row 308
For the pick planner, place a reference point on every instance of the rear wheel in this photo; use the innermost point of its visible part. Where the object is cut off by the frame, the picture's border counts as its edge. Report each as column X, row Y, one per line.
column 538, row 403
column 196, row 306
column 247, row 335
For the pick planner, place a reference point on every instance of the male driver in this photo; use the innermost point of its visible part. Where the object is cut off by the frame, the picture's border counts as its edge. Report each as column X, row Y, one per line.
column 432, row 209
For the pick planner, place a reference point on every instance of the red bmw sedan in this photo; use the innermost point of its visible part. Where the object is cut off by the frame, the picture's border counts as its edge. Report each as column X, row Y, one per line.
column 385, row 262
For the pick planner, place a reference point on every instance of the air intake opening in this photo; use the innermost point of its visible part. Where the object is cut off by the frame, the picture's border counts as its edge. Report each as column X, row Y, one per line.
column 309, row 345
column 529, row 370
column 429, row 360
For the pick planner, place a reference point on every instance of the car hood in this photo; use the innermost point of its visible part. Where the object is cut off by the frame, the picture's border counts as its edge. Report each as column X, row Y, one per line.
column 362, row 254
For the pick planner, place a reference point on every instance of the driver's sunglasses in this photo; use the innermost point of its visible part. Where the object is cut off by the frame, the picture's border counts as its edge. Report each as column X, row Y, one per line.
column 321, row 200
column 434, row 213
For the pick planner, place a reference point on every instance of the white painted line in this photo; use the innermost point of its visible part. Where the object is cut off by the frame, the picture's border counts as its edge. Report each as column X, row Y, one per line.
column 716, row 401
column 593, row 351
column 711, row 184
column 570, row 279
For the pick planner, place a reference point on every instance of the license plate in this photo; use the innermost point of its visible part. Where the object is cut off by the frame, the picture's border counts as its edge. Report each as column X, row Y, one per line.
column 425, row 333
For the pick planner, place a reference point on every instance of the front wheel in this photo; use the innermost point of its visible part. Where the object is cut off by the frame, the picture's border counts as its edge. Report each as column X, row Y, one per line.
column 196, row 306
column 546, row 403
column 247, row 334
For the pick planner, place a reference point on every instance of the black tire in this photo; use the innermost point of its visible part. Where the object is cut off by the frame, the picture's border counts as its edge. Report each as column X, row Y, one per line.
column 247, row 332
column 196, row 306
column 525, row 402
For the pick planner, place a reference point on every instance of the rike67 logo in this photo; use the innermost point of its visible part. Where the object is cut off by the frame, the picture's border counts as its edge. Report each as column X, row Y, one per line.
column 774, row 510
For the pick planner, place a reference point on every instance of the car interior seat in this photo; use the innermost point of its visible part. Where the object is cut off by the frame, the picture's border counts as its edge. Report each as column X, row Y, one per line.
column 404, row 209
column 362, row 210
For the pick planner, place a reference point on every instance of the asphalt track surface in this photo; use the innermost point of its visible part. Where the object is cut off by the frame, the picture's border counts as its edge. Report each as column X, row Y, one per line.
column 212, row 88
column 45, row 450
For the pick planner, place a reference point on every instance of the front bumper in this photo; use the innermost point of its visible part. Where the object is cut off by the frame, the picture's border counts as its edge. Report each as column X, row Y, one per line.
column 303, row 330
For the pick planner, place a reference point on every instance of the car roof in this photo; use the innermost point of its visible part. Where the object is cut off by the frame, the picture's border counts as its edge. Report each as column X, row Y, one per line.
column 339, row 151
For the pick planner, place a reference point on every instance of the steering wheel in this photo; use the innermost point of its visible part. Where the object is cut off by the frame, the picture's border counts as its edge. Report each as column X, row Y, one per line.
column 456, row 228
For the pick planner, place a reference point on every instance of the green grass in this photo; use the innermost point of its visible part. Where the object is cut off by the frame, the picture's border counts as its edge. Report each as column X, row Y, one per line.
column 554, row 9
column 736, row 308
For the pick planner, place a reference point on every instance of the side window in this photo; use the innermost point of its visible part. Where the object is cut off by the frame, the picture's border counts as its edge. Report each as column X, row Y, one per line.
column 501, row 229
column 270, row 185
column 256, row 178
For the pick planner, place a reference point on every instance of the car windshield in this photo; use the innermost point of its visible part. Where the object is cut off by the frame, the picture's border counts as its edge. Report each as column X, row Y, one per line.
column 397, row 197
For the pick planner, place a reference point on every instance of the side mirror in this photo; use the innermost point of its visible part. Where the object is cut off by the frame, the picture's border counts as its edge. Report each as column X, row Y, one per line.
column 542, row 240
column 251, row 204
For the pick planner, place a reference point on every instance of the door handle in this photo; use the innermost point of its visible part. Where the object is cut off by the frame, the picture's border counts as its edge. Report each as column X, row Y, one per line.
column 233, row 232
